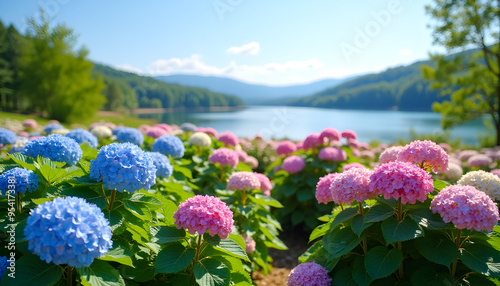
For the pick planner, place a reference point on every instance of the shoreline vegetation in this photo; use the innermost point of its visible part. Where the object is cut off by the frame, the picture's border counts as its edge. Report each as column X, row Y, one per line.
column 184, row 109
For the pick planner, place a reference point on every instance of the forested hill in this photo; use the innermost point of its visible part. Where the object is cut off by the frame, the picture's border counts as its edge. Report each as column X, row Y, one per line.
column 144, row 92
column 401, row 88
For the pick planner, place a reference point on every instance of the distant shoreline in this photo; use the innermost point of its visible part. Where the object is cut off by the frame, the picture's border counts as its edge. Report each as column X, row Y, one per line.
column 178, row 109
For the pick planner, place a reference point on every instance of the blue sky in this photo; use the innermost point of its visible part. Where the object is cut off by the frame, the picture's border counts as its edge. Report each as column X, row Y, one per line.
column 256, row 41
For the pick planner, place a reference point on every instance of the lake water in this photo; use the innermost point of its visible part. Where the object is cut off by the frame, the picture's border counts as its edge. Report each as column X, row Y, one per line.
column 295, row 123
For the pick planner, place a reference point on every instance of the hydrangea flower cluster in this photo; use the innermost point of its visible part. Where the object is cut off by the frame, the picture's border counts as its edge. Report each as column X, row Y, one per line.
column 56, row 148
column 155, row 132
column 200, row 139
column 163, row 167
column 331, row 134
column 252, row 162
column 454, row 171
column 479, row 160
column 228, row 138
column 265, row 183
column 242, row 155
column 401, row 180
column 466, row 154
column 243, row 181
column 25, row 180
column 496, row 172
column 30, row 123
column 425, row 153
column 312, row 140
column 101, row 131
column 83, row 136
column 293, row 164
column 202, row 213
column 123, row 166
column 224, row 157
column 352, row 185
column 68, row 230
column 286, row 147
column 207, row 130
column 169, row 145
column 309, row 274
column 165, row 127
column 7, row 136
column 3, row 265
column 334, row 154
column 466, row 207
column 349, row 134
column 49, row 128
column 483, row 181
column 249, row 243
column 129, row 134
column 187, row 126
column 352, row 165
column 323, row 193
column 390, row 154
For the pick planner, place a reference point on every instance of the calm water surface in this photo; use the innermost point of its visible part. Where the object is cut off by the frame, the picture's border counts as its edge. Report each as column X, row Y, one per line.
column 297, row 122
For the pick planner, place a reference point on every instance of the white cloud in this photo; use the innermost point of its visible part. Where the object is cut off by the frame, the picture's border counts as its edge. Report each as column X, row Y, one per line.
column 404, row 52
column 252, row 49
column 129, row 68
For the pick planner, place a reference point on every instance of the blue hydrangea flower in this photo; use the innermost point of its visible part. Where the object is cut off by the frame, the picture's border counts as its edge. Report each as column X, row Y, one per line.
column 163, row 167
column 7, row 136
column 169, row 145
column 68, row 230
column 51, row 127
column 25, row 180
column 56, row 147
column 3, row 265
column 129, row 134
column 123, row 166
column 83, row 136
column 187, row 126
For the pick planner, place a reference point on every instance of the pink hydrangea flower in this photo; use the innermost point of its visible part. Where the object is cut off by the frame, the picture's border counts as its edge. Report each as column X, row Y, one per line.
column 367, row 154
column 466, row 207
column 293, row 164
column 331, row 134
column 207, row 130
column 496, row 172
column 309, row 274
column 349, row 134
column 224, row 157
column 265, row 183
column 353, row 143
column 466, row 154
column 30, row 123
column 300, row 145
column 323, row 193
column 352, row 165
column 446, row 147
column 352, row 185
column 479, row 160
column 312, row 140
column 155, row 132
column 165, row 127
column 334, row 154
column 143, row 128
column 390, row 154
column 286, row 147
column 243, row 181
column 276, row 168
column 426, row 154
column 249, row 243
column 356, row 153
column 401, row 180
column 202, row 213
column 364, row 146
column 228, row 138
column 252, row 162
column 242, row 155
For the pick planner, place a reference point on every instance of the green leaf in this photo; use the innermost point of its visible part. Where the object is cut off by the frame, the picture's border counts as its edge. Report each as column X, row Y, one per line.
column 211, row 272
column 30, row 270
column 344, row 216
column 144, row 271
column 381, row 262
column 304, row 195
column 437, row 248
column 88, row 153
column 340, row 241
column 320, row 230
column 394, row 230
column 169, row 208
column 427, row 275
column 232, row 248
column 100, row 273
column 359, row 273
column 482, row 258
column 478, row 279
column 174, row 257
column 23, row 161
column 378, row 213
column 439, row 185
column 184, row 171
column 358, row 224
column 344, row 277
column 52, row 175
column 139, row 209
column 427, row 219
column 119, row 254
column 265, row 200
column 169, row 234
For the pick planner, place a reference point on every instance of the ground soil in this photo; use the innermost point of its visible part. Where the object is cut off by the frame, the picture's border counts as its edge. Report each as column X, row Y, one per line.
column 284, row 260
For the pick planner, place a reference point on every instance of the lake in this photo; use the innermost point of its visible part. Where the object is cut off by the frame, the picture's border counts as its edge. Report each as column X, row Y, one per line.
column 295, row 123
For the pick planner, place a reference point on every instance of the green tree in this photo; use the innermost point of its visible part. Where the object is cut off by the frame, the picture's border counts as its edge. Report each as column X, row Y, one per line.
column 57, row 80
column 5, row 69
column 114, row 97
column 472, row 81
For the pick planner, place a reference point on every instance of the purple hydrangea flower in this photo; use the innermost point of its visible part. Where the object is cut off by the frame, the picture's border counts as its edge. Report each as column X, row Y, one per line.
column 309, row 274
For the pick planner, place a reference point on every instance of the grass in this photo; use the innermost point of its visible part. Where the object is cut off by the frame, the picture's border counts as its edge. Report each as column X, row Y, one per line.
column 116, row 118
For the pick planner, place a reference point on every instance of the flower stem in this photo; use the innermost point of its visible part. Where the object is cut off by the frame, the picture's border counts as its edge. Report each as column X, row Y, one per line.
column 341, row 206
column 457, row 243
column 400, row 209
column 112, row 200
column 360, row 208
column 243, row 197
column 19, row 205
column 198, row 249
column 69, row 275
column 400, row 246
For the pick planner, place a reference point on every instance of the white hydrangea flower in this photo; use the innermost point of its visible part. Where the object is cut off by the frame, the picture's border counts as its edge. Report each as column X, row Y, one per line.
column 483, row 181
column 101, row 131
column 454, row 171
column 200, row 139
